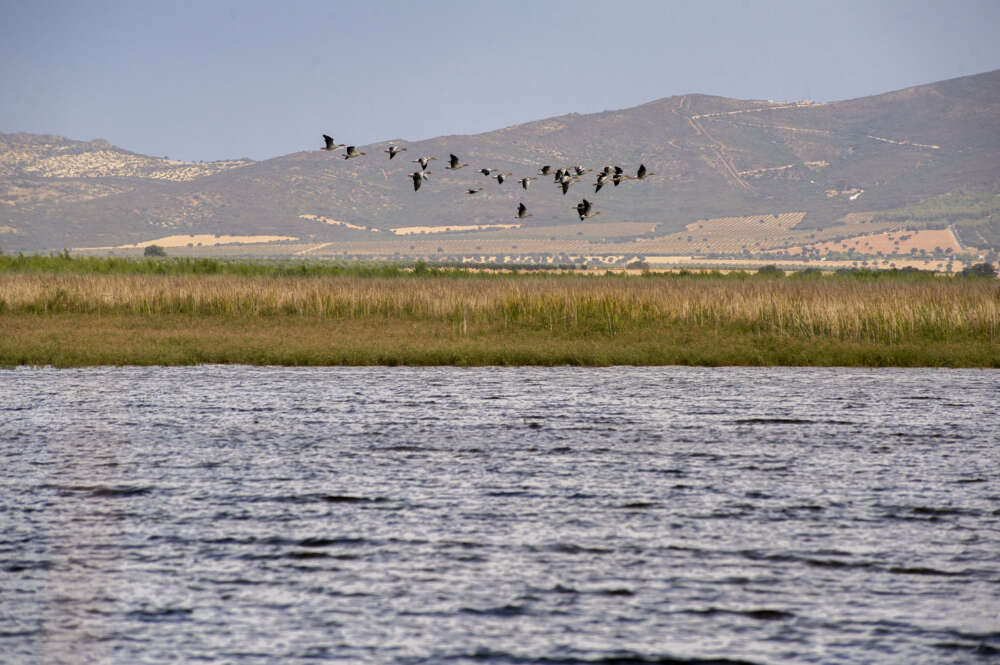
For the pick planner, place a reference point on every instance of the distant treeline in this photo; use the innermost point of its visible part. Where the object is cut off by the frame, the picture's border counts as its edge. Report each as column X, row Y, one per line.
column 66, row 263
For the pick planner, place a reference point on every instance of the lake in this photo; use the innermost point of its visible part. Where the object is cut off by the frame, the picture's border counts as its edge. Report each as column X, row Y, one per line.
column 499, row 515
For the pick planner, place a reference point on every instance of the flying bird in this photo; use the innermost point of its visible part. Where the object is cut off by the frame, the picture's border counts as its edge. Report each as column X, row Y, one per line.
column 618, row 176
column 565, row 181
column 544, row 170
column 584, row 209
column 330, row 145
column 352, row 151
column 500, row 177
column 486, row 172
column 423, row 161
column 601, row 179
column 453, row 163
column 522, row 211
column 641, row 173
column 473, row 191
column 418, row 177
column 393, row 151
column 524, row 181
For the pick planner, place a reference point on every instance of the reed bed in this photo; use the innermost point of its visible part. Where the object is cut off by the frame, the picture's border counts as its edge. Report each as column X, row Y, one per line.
column 880, row 311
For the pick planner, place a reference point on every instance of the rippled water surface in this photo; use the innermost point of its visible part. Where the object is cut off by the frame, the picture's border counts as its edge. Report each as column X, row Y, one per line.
column 522, row 515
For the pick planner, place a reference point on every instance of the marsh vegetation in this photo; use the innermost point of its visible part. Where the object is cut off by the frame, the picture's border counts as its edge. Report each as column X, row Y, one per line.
column 176, row 311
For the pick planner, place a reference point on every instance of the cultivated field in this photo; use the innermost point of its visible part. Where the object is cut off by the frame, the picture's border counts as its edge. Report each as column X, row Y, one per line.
column 197, row 240
column 858, row 240
column 727, row 235
column 898, row 241
column 334, row 222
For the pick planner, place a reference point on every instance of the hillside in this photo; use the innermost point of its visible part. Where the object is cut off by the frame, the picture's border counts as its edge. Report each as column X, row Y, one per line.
column 714, row 158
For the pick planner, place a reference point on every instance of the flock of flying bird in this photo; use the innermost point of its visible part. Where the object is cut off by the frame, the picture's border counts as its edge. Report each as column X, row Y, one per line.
column 564, row 177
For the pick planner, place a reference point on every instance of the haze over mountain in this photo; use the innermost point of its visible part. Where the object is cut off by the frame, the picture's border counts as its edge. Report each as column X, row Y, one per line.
column 712, row 156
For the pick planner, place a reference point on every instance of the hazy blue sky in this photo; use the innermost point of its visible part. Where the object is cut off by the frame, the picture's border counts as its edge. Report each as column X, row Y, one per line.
column 207, row 80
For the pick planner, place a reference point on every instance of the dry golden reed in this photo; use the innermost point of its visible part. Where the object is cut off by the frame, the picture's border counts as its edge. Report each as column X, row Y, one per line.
column 884, row 311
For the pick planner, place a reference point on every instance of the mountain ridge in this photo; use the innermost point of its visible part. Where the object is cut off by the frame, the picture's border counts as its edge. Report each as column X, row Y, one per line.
column 714, row 157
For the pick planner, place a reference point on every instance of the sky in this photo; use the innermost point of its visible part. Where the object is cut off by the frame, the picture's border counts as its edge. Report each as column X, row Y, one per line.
column 213, row 79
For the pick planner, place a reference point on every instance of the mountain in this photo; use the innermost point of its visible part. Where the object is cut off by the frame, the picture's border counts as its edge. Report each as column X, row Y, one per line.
column 713, row 157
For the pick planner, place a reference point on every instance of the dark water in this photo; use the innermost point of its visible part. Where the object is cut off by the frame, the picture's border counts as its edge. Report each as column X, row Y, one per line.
column 404, row 515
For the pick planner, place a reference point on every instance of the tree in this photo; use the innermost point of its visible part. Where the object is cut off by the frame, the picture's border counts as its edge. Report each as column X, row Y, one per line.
column 154, row 250
column 979, row 270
